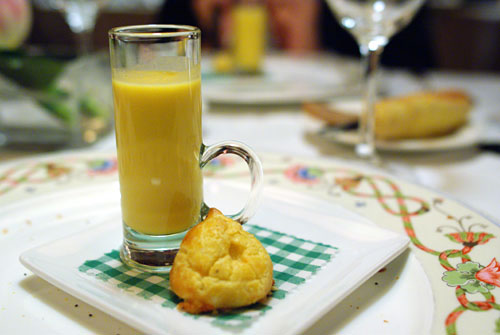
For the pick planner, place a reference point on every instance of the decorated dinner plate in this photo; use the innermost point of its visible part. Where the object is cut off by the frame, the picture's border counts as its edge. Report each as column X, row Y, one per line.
column 445, row 282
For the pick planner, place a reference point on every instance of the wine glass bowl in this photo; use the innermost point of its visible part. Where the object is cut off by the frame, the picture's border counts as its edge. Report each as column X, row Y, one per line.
column 372, row 23
column 80, row 15
column 374, row 20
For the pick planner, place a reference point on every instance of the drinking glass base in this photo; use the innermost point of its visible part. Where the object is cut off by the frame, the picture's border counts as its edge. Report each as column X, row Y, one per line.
column 150, row 253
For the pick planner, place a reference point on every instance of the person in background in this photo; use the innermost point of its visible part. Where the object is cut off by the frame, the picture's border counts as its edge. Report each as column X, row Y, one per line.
column 293, row 24
column 301, row 26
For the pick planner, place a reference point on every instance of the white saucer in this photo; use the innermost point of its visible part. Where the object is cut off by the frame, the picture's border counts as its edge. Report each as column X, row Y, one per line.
column 465, row 137
column 284, row 80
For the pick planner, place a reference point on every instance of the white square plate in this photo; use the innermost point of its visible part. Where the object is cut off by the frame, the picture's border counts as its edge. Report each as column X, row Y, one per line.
column 363, row 250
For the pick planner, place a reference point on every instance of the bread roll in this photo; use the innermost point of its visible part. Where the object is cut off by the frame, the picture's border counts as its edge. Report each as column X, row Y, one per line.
column 421, row 115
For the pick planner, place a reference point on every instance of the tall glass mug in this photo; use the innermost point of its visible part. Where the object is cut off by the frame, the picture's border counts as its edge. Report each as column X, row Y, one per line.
column 157, row 100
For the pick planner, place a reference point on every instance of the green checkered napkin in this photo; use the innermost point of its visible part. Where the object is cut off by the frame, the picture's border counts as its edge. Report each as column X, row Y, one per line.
column 295, row 260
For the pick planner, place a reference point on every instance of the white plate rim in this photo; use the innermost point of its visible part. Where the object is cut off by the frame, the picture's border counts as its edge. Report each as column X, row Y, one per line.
column 466, row 137
column 345, row 82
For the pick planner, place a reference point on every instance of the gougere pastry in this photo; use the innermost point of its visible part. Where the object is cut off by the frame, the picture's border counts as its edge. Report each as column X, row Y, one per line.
column 219, row 265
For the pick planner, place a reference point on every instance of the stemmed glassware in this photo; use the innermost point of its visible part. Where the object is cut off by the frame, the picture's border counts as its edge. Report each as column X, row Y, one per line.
column 80, row 15
column 372, row 23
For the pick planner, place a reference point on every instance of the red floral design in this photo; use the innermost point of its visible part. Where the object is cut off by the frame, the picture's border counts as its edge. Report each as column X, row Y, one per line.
column 56, row 170
column 102, row 166
column 348, row 183
column 470, row 239
column 303, row 174
column 490, row 274
column 217, row 164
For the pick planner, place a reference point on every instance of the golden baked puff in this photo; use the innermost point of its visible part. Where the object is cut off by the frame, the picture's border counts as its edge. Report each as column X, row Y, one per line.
column 219, row 266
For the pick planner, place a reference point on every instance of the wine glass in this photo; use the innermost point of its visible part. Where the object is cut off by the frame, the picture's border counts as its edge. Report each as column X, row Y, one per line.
column 372, row 23
column 80, row 15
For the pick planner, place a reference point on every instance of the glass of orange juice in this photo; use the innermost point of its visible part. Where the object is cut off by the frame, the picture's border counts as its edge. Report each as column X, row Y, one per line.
column 249, row 35
column 157, row 103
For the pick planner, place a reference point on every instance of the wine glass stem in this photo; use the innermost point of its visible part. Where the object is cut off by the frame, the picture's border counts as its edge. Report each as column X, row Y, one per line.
column 81, row 18
column 84, row 42
column 370, row 59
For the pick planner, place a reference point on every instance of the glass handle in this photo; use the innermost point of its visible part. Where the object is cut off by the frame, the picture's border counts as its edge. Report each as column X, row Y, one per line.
column 256, row 173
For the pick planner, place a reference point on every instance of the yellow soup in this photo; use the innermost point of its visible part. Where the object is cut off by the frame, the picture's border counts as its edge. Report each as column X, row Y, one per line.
column 158, row 136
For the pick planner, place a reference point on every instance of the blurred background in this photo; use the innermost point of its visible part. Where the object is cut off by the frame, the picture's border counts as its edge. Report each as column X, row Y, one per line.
column 54, row 68
column 450, row 34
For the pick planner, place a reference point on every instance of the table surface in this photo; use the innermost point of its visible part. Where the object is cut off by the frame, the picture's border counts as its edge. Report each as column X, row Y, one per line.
column 470, row 176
